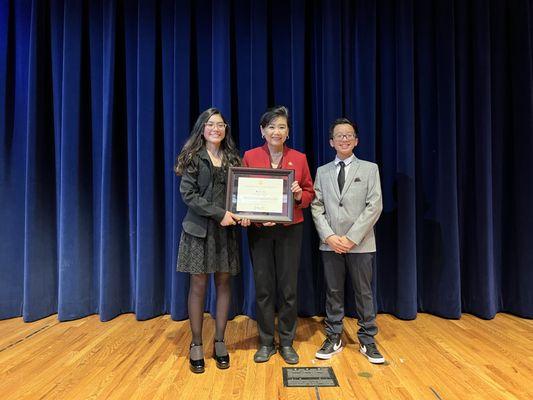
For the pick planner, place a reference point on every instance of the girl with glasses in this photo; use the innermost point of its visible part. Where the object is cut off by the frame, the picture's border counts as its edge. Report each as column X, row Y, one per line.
column 208, row 243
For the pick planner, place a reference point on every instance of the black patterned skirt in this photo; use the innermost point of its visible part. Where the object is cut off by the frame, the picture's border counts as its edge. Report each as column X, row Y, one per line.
column 217, row 252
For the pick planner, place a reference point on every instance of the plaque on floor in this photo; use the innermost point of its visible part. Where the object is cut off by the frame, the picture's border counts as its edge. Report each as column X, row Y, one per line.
column 309, row 376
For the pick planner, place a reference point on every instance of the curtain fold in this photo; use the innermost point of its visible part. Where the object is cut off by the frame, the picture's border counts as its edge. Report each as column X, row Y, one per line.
column 98, row 97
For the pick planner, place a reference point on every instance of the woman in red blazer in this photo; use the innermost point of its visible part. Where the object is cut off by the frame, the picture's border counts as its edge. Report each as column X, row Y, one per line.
column 275, row 248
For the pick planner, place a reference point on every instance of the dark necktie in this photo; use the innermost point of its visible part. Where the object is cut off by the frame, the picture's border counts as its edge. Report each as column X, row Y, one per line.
column 340, row 178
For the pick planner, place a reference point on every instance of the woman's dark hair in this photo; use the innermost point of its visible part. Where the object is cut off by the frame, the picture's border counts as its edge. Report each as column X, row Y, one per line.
column 273, row 113
column 196, row 141
column 340, row 121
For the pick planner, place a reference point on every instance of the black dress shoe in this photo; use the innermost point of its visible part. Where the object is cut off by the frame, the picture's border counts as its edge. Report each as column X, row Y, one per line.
column 220, row 354
column 289, row 354
column 264, row 353
column 196, row 358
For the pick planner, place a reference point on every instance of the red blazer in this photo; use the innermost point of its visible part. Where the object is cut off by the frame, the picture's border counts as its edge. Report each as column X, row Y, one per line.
column 259, row 157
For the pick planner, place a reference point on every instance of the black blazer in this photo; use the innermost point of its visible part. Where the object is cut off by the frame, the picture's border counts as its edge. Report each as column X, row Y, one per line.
column 197, row 193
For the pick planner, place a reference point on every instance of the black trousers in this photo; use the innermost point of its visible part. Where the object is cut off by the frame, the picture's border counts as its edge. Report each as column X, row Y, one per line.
column 359, row 267
column 275, row 255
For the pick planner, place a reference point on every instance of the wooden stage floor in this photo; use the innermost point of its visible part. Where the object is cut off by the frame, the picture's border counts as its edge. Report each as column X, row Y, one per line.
column 428, row 358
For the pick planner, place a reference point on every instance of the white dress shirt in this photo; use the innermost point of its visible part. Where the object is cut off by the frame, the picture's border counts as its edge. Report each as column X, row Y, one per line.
column 347, row 163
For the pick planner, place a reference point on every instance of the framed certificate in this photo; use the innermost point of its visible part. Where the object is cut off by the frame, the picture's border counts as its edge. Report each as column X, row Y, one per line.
column 260, row 194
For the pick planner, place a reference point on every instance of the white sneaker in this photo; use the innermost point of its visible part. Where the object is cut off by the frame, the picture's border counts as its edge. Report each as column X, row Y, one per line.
column 331, row 346
column 372, row 353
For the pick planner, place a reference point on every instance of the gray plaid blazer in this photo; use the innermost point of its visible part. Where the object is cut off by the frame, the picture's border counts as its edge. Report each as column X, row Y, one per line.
column 352, row 213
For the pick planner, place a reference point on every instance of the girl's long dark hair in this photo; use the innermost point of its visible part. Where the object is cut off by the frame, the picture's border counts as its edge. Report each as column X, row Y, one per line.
column 196, row 141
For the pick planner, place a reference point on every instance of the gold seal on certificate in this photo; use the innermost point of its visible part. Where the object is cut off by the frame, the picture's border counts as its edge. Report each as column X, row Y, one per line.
column 260, row 194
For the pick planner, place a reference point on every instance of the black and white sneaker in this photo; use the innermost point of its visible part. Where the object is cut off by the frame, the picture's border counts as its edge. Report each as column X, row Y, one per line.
column 331, row 346
column 372, row 353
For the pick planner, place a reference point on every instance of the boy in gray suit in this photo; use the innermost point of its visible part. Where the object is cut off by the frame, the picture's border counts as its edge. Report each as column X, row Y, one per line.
column 346, row 207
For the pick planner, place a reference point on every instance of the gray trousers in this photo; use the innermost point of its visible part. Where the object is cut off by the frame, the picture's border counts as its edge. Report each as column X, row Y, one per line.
column 359, row 267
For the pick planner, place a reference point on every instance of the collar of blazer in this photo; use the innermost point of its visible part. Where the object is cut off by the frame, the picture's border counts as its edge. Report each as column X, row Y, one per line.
column 266, row 155
column 354, row 166
column 204, row 156
column 267, row 150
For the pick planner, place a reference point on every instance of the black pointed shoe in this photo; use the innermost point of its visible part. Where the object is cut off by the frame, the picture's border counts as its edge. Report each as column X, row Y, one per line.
column 196, row 358
column 220, row 354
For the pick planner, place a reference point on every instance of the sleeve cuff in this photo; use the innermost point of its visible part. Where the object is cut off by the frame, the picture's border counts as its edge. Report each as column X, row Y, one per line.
column 219, row 216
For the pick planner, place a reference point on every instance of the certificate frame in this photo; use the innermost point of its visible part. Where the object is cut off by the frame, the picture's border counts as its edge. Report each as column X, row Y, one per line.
column 232, row 190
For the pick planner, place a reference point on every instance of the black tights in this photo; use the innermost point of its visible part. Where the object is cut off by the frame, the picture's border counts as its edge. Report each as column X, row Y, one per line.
column 197, row 291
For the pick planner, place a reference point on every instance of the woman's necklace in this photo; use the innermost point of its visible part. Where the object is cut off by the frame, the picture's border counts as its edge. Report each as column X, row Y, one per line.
column 275, row 159
column 215, row 158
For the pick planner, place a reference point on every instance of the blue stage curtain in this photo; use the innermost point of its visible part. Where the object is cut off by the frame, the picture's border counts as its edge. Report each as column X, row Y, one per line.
column 97, row 98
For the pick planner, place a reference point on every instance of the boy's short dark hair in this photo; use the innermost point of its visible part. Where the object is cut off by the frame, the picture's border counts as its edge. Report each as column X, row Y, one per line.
column 340, row 121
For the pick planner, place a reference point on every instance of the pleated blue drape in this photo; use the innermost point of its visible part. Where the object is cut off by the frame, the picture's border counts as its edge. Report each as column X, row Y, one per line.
column 97, row 98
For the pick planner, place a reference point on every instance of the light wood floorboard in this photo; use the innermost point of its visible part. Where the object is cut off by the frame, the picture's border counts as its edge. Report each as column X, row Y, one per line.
column 428, row 358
